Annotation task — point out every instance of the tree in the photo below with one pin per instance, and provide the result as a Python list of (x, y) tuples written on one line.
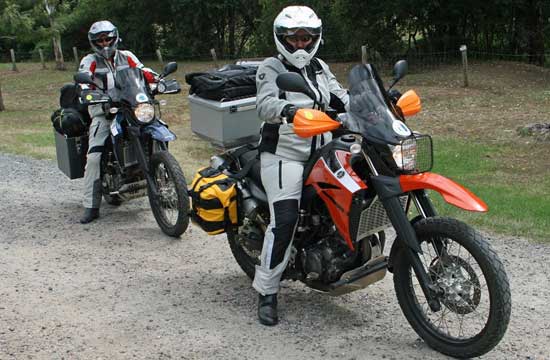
[(50, 7), (15, 25)]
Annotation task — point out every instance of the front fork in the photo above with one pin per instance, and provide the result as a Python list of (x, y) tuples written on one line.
[(135, 138), (388, 190)]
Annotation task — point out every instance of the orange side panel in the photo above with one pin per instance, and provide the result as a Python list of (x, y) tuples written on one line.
[(453, 193), (337, 200)]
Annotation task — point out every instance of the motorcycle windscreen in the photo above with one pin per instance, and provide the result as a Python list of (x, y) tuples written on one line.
[(130, 87), (370, 113)]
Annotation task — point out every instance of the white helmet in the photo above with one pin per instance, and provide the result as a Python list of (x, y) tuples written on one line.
[(288, 22), (103, 28)]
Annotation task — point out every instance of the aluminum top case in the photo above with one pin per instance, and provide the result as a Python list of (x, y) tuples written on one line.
[(225, 124)]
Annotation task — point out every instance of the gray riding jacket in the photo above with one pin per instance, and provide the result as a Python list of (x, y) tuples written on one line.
[(279, 138)]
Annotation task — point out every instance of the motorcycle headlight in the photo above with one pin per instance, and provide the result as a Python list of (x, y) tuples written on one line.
[(405, 155), (145, 113), (414, 155)]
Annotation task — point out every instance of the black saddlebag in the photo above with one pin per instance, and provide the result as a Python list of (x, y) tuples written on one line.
[(71, 154), (70, 123), (228, 83)]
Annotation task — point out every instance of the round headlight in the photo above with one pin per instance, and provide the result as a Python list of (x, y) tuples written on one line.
[(405, 155), (145, 113)]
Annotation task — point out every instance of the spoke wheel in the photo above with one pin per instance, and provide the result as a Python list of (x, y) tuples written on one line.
[(171, 208), (246, 244), (471, 283)]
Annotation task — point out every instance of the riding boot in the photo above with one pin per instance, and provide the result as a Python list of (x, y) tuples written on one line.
[(267, 309), (90, 214)]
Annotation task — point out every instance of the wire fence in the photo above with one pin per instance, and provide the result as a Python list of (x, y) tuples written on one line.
[(418, 61)]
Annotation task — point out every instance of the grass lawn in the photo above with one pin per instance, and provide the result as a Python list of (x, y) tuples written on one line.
[(476, 142)]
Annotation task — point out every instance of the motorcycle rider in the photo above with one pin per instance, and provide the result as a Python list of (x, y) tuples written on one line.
[(297, 32), (102, 64)]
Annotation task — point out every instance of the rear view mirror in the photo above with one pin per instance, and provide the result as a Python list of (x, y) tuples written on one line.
[(83, 78), (399, 71), (295, 83), (169, 68)]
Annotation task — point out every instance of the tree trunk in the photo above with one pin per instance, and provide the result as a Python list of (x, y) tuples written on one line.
[(535, 32), (56, 38), (2, 108)]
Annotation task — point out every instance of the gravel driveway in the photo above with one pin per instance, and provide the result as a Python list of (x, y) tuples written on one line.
[(118, 288)]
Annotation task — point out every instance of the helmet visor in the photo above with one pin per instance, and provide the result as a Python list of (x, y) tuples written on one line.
[(109, 34), (284, 31)]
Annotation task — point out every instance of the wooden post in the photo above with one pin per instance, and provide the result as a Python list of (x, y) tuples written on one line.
[(464, 51), (364, 54), (159, 56), (14, 66), (76, 59), (2, 108), (214, 56), (59, 59), (41, 53)]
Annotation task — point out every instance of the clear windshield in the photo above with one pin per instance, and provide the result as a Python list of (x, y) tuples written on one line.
[(370, 112), (130, 87)]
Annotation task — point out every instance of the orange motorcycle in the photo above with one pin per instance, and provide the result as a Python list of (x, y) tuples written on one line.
[(374, 175)]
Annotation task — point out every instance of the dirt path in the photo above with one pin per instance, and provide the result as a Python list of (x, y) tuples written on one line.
[(119, 288)]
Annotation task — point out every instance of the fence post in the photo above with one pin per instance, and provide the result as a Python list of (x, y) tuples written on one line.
[(214, 56), (41, 53), (2, 108), (13, 67), (159, 56), (76, 59), (364, 54), (464, 51)]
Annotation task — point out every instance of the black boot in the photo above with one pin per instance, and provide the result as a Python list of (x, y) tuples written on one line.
[(267, 310), (90, 214)]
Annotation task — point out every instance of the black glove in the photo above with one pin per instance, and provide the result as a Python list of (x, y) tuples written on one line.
[(394, 95), (288, 112)]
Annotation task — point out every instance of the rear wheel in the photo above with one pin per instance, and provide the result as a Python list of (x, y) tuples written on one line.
[(472, 288), (171, 208), (246, 244)]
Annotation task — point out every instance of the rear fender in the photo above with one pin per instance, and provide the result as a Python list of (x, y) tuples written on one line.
[(453, 193)]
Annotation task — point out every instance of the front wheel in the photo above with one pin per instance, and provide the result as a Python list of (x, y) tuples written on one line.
[(471, 284), (171, 208)]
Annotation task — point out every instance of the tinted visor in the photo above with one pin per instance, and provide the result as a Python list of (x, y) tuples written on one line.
[(284, 31), (109, 34)]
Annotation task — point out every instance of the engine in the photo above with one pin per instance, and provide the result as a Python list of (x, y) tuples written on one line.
[(327, 260), (324, 254)]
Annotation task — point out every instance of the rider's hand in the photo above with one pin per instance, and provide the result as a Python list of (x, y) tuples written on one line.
[(394, 95), (343, 119), (106, 109), (288, 112)]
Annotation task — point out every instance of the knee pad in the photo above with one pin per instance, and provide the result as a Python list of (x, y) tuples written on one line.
[(286, 216)]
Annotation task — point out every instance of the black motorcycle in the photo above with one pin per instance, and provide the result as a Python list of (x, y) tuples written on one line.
[(135, 159)]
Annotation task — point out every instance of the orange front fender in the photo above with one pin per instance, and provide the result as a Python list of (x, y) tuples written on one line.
[(453, 193)]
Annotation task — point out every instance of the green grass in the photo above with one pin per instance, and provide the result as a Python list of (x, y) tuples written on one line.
[(515, 208), (474, 129)]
